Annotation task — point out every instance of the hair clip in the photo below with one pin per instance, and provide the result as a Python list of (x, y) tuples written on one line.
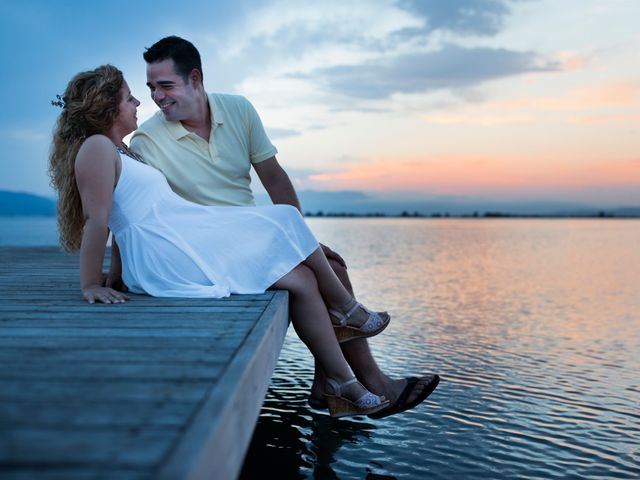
[(58, 103)]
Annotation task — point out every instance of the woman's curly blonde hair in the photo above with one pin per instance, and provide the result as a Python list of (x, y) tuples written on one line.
[(89, 106)]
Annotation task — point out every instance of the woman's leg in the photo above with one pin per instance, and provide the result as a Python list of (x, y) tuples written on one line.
[(311, 321), (360, 358), (337, 297), (330, 286)]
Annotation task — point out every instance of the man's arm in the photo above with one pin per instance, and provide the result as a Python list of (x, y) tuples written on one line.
[(280, 189), (277, 183)]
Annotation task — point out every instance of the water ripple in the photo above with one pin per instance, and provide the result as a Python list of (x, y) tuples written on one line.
[(534, 337)]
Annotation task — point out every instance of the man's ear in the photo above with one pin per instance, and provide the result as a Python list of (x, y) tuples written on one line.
[(195, 77)]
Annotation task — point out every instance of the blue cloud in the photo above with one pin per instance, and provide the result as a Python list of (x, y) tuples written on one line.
[(474, 17), (277, 133), (450, 67)]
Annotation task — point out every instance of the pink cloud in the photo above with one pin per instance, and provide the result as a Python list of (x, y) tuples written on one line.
[(604, 119), (467, 175), (617, 94)]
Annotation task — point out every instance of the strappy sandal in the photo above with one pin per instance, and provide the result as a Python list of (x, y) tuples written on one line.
[(340, 406), (375, 323)]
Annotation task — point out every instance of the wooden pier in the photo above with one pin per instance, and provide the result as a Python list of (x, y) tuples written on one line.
[(149, 389)]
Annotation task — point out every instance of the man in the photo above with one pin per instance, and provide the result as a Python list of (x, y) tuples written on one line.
[(206, 144)]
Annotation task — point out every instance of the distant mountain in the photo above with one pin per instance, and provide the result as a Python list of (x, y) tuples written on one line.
[(360, 203), (19, 203), (626, 212)]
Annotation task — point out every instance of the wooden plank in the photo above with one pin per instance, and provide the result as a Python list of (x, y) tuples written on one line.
[(69, 390), (57, 472), (57, 357), (112, 332), (114, 371), (141, 342), (79, 413), (122, 308), (128, 390), (125, 447), (82, 319), (218, 437)]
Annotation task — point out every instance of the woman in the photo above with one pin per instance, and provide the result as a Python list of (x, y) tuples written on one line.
[(166, 246)]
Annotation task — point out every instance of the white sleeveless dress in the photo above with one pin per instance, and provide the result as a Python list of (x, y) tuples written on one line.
[(171, 247)]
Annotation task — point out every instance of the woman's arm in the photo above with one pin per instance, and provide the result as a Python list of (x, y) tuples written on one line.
[(114, 277), (95, 171)]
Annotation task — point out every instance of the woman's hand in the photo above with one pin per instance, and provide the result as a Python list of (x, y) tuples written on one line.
[(97, 293)]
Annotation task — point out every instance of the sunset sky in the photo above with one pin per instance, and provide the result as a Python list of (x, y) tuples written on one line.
[(522, 100)]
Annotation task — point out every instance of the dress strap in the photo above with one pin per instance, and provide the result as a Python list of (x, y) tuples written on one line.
[(128, 152)]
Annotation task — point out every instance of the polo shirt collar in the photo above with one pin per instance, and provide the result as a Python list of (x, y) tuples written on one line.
[(176, 129), (178, 132), (217, 117)]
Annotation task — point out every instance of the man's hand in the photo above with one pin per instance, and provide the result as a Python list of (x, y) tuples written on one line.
[(98, 293), (331, 255)]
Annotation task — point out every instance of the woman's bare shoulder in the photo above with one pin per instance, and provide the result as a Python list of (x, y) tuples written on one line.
[(96, 146), (97, 143), (97, 154)]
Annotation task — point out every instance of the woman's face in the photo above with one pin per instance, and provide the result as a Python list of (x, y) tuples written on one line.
[(127, 120)]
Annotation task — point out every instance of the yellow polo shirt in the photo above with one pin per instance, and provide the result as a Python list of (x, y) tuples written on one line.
[(213, 173)]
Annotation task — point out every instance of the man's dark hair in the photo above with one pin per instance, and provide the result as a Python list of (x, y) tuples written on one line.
[(184, 55)]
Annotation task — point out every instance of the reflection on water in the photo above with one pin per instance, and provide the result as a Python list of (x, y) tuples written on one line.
[(533, 327)]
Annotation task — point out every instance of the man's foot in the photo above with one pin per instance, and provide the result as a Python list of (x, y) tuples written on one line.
[(414, 392)]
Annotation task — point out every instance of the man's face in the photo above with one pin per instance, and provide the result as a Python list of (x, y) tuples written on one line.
[(176, 99)]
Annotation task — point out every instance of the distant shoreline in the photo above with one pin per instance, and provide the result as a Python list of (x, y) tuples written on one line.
[(475, 215), (348, 204)]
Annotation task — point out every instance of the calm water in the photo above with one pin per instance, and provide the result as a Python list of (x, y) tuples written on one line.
[(532, 325), (28, 231)]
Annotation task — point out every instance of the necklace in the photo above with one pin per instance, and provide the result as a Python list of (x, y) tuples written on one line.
[(129, 153)]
